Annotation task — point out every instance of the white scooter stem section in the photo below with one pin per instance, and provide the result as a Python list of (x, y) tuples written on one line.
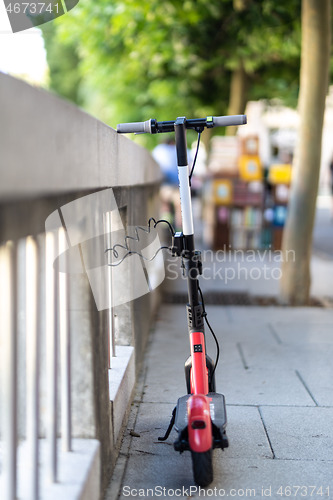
[(185, 200)]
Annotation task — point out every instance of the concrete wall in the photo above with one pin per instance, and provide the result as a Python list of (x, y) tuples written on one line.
[(51, 154), (49, 146)]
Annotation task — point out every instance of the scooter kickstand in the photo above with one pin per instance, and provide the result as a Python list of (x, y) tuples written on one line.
[(169, 429)]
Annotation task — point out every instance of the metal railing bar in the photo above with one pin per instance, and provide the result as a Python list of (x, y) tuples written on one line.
[(32, 361), (8, 329), (111, 325), (51, 328), (65, 348)]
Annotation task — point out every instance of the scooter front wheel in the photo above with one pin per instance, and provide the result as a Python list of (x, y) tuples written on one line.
[(202, 464)]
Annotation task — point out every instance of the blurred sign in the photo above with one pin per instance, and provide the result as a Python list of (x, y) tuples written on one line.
[(222, 189), (250, 168), (280, 174)]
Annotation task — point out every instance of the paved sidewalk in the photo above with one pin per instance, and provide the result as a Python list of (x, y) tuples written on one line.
[(276, 372)]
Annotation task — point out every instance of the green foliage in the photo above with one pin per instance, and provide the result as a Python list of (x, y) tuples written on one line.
[(138, 59), (63, 61)]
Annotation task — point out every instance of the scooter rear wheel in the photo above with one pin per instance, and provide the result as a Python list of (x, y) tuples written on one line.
[(202, 464)]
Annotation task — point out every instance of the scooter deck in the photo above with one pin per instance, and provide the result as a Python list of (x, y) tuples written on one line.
[(219, 421)]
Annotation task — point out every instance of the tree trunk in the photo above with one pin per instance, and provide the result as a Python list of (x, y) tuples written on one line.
[(297, 240), (238, 94)]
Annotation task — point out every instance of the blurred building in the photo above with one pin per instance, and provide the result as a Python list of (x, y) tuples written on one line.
[(277, 128)]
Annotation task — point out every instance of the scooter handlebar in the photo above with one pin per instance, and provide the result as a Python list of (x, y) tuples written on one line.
[(135, 128), (153, 126), (225, 121)]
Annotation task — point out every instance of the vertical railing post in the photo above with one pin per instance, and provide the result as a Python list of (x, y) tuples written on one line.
[(64, 333), (112, 341), (8, 329), (51, 329), (32, 275)]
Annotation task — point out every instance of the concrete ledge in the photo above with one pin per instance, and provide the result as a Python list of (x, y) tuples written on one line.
[(49, 146), (121, 383), (79, 472)]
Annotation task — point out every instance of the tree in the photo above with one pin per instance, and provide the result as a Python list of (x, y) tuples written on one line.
[(63, 62), (141, 58), (315, 58)]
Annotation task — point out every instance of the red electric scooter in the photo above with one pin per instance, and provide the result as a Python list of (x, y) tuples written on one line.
[(200, 416)]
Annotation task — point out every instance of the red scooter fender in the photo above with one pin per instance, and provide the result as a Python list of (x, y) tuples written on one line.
[(199, 423)]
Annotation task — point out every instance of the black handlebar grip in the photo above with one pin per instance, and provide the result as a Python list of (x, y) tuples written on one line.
[(134, 128), (225, 121)]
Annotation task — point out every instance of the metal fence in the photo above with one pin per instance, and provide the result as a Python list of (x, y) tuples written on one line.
[(21, 267), (53, 342), (33, 289)]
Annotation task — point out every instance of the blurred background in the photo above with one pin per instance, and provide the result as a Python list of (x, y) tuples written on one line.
[(260, 191), (132, 60)]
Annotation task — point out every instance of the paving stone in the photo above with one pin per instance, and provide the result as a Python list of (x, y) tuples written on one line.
[(313, 365), (246, 434), (236, 478), (312, 333), (300, 433), (165, 382), (264, 386), (152, 422), (318, 381), (290, 315), (255, 315)]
